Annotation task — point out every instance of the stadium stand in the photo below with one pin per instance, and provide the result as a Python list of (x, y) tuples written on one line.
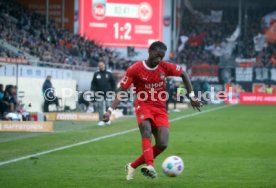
[(7, 53), (26, 31), (201, 37)]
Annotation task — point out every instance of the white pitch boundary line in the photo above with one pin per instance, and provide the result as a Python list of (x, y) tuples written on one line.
[(102, 138)]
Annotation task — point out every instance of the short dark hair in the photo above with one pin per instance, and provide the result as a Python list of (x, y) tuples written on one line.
[(158, 45), (8, 88)]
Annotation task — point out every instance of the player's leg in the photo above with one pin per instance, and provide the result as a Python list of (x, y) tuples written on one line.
[(160, 130), (161, 139), (161, 135), (146, 132), (144, 118), (147, 156), (141, 160)]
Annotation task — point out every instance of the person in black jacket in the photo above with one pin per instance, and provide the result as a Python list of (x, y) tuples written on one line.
[(1, 92), (49, 94), (102, 82), (8, 102)]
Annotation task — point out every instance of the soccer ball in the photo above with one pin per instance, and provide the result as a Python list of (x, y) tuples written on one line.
[(173, 166)]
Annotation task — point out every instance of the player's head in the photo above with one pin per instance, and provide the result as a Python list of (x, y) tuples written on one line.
[(101, 66), (49, 77), (158, 45), (8, 89), (157, 51)]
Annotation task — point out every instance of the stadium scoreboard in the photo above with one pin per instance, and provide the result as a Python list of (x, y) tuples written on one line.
[(121, 23)]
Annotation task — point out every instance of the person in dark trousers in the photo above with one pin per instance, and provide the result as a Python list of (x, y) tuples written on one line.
[(49, 94), (8, 101), (172, 94), (102, 82), (1, 91), (1, 102)]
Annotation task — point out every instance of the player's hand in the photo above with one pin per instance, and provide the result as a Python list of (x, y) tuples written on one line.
[(196, 103), (106, 116)]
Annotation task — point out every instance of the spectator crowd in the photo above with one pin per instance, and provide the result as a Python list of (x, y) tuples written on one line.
[(9, 54), (203, 41), (8, 101), (28, 31)]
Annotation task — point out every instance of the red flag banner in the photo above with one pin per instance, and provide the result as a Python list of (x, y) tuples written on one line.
[(197, 40)]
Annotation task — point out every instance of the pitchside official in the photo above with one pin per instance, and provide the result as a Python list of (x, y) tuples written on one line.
[(103, 81), (49, 94)]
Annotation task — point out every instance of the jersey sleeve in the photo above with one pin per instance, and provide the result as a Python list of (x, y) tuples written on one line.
[(173, 69), (128, 78)]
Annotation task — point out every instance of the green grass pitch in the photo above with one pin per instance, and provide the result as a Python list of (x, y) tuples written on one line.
[(228, 147)]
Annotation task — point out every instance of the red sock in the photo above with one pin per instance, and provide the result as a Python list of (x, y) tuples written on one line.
[(140, 160), (147, 151)]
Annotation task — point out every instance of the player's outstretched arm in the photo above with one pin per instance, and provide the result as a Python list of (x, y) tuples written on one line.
[(194, 101), (114, 104)]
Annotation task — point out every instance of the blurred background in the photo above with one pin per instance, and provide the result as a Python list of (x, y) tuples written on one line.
[(220, 44), (54, 51)]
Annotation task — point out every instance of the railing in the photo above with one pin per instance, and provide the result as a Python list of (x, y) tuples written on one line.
[(16, 50), (4, 61), (62, 66)]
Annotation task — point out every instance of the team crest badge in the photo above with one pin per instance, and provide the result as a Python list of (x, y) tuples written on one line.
[(99, 9), (142, 116), (125, 79)]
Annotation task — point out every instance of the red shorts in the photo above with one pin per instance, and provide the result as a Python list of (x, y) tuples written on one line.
[(157, 115)]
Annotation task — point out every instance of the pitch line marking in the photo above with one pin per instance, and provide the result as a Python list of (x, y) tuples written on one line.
[(102, 138)]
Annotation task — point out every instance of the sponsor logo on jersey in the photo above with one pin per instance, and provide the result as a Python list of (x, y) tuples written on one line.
[(154, 85)]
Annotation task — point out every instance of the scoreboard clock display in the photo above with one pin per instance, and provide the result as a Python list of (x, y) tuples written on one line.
[(121, 23)]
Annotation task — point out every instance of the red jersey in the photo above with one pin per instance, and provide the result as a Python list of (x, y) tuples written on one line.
[(150, 81)]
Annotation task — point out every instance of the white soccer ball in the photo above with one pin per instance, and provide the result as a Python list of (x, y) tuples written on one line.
[(173, 166)]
